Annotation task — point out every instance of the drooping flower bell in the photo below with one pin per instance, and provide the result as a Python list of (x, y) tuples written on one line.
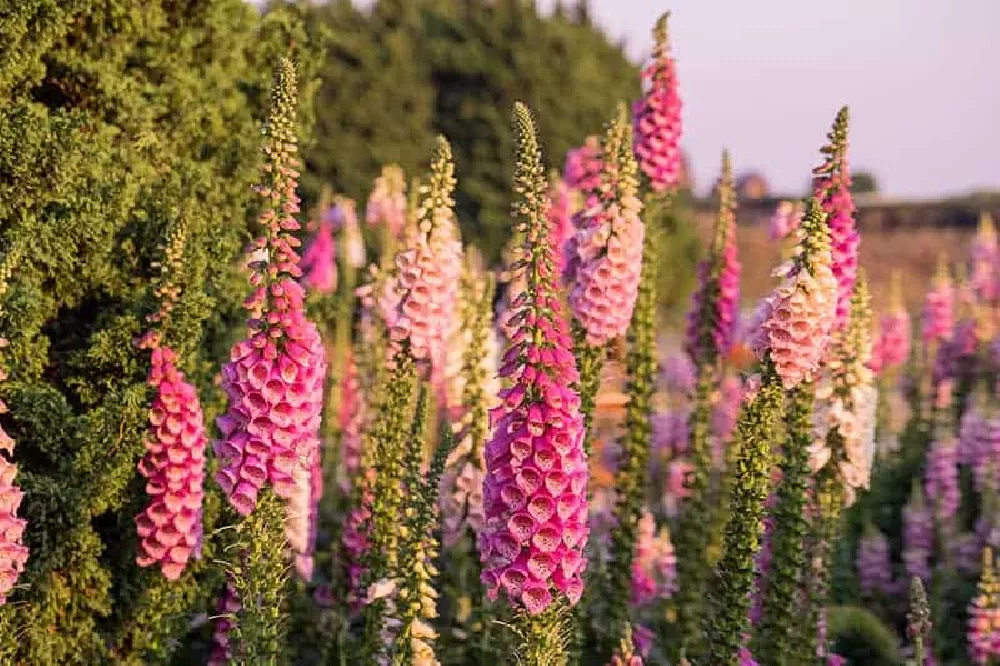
[(535, 491), (712, 320), (604, 257), (274, 379), (658, 117), (798, 317), (832, 186)]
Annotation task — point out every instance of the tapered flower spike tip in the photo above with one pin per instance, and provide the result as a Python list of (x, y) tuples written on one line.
[(529, 181), (815, 233), (727, 200), (284, 103), (661, 32)]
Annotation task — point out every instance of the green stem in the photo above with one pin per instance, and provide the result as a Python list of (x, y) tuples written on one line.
[(260, 576), (729, 594), (543, 638), (693, 528), (631, 477), (782, 618)]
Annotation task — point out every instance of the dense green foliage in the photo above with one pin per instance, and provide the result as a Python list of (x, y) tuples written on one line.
[(119, 118), (398, 74)]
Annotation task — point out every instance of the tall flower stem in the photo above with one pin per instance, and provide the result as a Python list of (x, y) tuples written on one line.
[(535, 493), (631, 477), (388, 439), (782, 619), (709, 334), (260, 578), (729, 595)]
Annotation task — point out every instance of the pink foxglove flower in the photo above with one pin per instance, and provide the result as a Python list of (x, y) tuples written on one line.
[(274, 379), (658, 117), (535, 492), (746, 659), (387, 201), (800, 320), (785, 220), (170, 528), (938, 317), (604, 257), (832, 186), (319, 261), (13, 553)]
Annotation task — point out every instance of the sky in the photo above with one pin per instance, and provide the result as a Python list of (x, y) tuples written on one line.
[(765, 79)]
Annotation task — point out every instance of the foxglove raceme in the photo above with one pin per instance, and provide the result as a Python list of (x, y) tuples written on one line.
[(832, 187), (424, 291), (170, 528), (274, 379), (535, 490), (604, 257), (712, 319), (658, 117)]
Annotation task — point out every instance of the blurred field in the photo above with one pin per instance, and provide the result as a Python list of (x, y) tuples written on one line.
[(913, 251)]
